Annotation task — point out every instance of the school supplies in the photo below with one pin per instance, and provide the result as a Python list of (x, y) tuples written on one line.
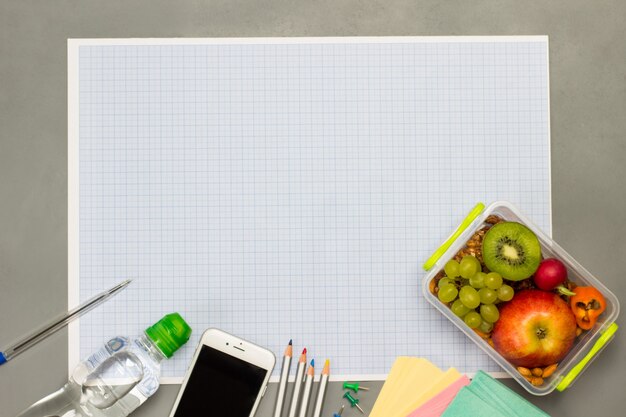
[(306, 394), (59, 322), (283, 166), (338, 413), (297, 385), (417, 388), (354, 402), (410, 383), (496, 395), (437, 404), (284, 376), (321, 391), (354, 386)]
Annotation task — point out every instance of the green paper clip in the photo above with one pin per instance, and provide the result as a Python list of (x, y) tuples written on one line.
[(606, 336), (464, 225)]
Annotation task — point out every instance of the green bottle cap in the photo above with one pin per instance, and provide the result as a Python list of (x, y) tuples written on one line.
[(169, 333)]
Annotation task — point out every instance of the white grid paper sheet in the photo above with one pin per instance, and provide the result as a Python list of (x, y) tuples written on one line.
[(283, 189)]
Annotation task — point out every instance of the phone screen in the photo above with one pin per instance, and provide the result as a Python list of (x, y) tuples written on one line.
[(220, 383)]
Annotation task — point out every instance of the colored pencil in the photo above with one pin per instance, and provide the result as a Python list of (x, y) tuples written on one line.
[(321, 392), (282, 384), (297, 387), (306, 394)]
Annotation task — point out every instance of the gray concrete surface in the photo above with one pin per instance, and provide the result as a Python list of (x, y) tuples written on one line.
[(587, 78)]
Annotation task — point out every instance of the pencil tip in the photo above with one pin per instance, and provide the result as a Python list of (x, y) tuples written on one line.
[(326, 369), (312, 362), (291, 341), (304, 351)]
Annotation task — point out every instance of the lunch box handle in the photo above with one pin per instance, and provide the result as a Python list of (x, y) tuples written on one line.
[(605, 338), (464, 225)]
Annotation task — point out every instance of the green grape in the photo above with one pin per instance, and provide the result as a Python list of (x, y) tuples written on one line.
[(505, 293), (485, 327), (487, 295), (469, 296), (447, 293), (489, 312), (445, 281), (478, 280), (452, 268), (472, 319), (493, 280), (459, 309), (469, 266), (479, 267)]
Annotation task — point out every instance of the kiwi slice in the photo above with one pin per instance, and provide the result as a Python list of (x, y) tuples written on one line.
[(512, 250)]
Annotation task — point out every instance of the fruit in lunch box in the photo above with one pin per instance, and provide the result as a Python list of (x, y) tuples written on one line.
[(478, 280), (551, 273), (505, 293), (469, 266), (447, 293), (535, 329), (469, 296), (472, 319), (459, 309), (451, 268), (587, 304), (493, 280), (512, 250)]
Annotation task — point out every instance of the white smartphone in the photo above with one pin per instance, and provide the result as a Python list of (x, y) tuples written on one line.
[(228, 376)]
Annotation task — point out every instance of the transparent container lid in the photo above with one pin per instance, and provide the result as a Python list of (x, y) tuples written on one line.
[(586, 347)]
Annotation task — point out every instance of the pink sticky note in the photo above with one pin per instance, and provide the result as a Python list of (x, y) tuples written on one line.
[(437, 405)]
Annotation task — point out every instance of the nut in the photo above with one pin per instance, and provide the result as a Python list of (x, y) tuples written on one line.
[(524, 371), (537, 371), (493, 219), (579, 331), (549, 370), (536, 381)]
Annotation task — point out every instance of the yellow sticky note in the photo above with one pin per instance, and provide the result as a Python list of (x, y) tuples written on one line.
[(408, 379), (435, 388), (398, 368)]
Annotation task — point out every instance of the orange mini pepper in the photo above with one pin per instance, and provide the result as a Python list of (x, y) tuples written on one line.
[(587, 304)]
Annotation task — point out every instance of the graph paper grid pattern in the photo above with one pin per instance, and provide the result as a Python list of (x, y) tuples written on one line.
[(292, 190)]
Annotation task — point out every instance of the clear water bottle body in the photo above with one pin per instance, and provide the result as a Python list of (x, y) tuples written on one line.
[(114, 380)]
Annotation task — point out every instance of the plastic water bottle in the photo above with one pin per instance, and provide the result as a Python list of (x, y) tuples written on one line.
[(119, 377)]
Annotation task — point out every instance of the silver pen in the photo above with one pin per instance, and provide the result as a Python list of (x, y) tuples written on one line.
[(59, 322)]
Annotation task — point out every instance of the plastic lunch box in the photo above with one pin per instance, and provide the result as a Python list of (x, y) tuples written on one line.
[(586, 347)]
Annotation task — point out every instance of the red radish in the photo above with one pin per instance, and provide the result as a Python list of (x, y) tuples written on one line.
[(550, 274)]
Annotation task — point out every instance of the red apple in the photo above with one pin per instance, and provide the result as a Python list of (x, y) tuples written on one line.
[(550, 274), (535, 329)]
